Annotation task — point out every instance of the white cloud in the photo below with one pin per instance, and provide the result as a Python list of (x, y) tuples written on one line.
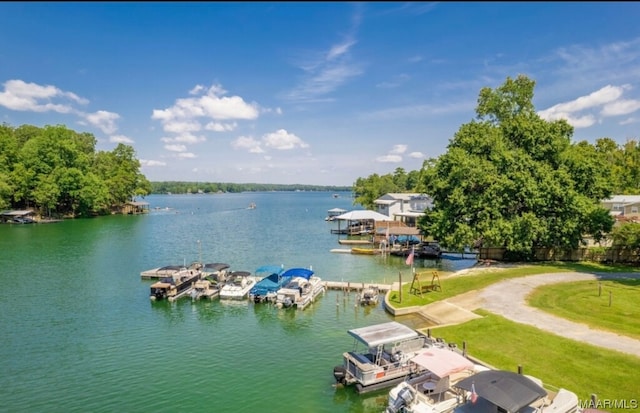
[(145, 162), (398, 149), (581, 112), (185, 155), (22, 96), (416, 155), (283, 140), (180, 127), (599, 97), (620, 107), (103, 120), (212, 104), (220, 127), (325, 72), (121, 139), (184, 138), (248, 143), (629, 121), (175, 148), (389, 159)]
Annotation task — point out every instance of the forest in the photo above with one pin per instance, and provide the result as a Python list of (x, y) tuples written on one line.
[(57, 172)]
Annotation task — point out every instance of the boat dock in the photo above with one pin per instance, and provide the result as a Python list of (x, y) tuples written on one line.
[(355, 286)]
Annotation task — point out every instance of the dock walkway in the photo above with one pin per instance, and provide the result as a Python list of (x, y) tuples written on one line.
[(355, 286)]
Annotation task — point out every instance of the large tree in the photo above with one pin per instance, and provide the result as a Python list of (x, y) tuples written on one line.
[(511, 179)]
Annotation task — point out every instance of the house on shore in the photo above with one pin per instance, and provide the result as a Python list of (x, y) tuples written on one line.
[(404, 207), (623, 207)]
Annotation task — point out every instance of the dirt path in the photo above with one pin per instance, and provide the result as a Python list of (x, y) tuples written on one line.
[(508, 299)]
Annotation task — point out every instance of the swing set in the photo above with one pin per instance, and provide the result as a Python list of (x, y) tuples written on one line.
[(417, 287)]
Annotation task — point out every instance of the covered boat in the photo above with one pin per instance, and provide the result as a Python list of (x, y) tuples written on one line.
[(431, 390), (380, 358), (509, 392), (302, 289), (173, 287), (266, 289)]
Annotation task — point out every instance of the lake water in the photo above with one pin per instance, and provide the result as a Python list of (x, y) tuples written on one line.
[(79, 333)]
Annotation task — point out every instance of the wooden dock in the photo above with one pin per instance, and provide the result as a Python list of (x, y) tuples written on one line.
[(355, 286)]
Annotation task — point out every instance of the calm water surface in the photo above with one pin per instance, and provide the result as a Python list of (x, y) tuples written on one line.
[(79, 333)]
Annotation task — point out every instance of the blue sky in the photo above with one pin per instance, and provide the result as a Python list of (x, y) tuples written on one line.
[(310, 93)]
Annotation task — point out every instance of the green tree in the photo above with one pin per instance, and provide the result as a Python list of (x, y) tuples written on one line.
[(511, 179)]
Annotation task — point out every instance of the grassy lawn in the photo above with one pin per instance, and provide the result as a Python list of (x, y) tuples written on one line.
[(587, 302), (558, 362), (453, 285)]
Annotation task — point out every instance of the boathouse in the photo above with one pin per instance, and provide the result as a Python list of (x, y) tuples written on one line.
[(16, 215), (135, 207)]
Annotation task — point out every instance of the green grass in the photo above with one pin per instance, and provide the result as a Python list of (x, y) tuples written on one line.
[(588, 302), (453, 285), (557, 361)]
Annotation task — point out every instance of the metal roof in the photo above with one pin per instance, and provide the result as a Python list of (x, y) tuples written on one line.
[(385, 333)]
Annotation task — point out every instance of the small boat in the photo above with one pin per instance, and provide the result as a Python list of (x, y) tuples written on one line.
[(364, 251), (506, 391), (267, 288), (380, 356), (176, 285), (369, 295), (432, 390), (302, 289), (237, 285), (252, 206), (204, 289), (428, 250), (216, 272)]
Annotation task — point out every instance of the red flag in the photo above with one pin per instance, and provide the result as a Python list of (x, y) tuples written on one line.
[(409, 260), (474, 395)]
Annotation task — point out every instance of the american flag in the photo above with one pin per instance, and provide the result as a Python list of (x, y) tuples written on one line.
[(410, 257)]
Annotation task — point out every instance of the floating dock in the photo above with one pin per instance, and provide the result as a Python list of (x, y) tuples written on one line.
[(354, 242), (354, 286)]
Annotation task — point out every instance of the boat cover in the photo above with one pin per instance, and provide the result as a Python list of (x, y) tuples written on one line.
[(508, 390), (380, 334), (216, 266), (442, 362), (298, 272), (271, 283), (270, 269)]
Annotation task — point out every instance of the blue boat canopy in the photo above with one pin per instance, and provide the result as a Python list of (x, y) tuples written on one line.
[(269, 284), (298, 272), (270, 269)]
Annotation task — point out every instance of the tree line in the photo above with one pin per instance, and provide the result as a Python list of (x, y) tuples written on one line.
[(511, 179), (181, 187), (58, 172)]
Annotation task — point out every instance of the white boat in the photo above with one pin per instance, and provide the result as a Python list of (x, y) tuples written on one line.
[(432, 390), (216, 272), (380, 358), (506, 391), (369, 295), (237, 285), (302, 289)]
